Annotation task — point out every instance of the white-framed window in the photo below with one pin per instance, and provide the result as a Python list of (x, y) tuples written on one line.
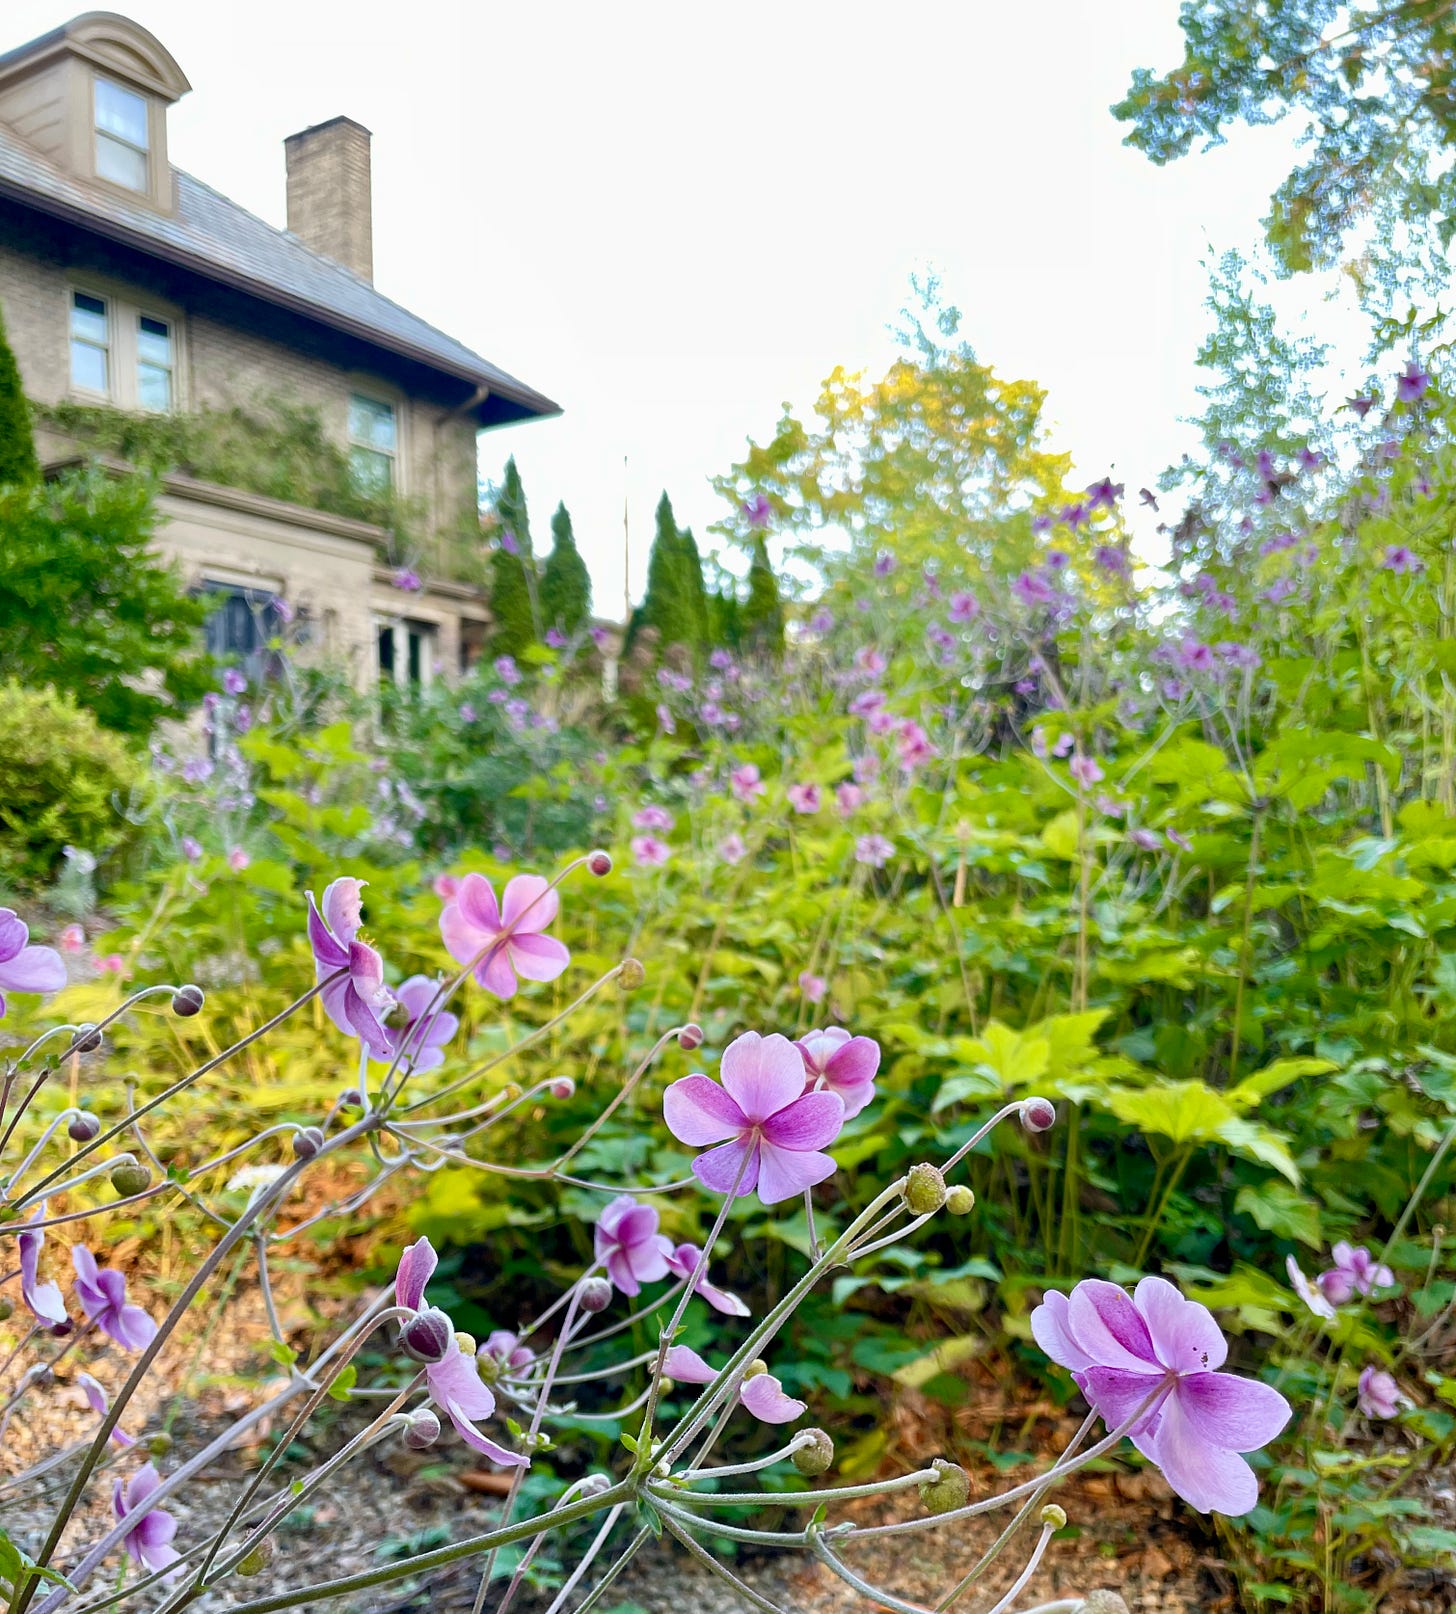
[(91, 367), (124, 350), (156, 363), (123, 135), (373, 444), (407, 652)]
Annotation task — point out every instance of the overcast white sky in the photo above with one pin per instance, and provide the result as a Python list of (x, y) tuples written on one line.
[(673, 217)]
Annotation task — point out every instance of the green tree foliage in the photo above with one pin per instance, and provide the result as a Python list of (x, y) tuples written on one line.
[(17, 446), (512, 570), (763, 612), (86, 605), (1375, 84), (565, 581), (939, 461), (61, 777), (676, 602)]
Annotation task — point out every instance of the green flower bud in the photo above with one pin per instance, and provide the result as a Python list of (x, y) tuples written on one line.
[(258, 1558), (960, 1200), (631, 975), (130, 1177), (951, 1488), (7, 1309), (1103, 1602), (924, 1189), (1054, 1516), (159, 1444), (816, 1455), (755, 1367)]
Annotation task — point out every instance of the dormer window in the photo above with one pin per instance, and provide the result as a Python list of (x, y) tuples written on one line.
[(123, 143)]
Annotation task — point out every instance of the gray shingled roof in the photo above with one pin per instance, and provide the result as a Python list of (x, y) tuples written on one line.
[(221, 241)]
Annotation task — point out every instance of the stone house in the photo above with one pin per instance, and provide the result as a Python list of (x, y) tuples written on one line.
[(128, 285)]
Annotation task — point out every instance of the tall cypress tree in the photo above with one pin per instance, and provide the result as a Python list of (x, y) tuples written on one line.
[(17, 446), (512, 570), (668, 604), (565, 581), (763, 614), (693, 594)]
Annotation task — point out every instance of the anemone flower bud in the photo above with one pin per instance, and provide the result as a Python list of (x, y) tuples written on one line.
[(755, 1367), (7, 1309), (82, 1127), (187, 1001), (1038, 1115), (594, 1294), (562, 1087), (88, 1039), (260, 1555), (949, 1490), (600, 863), (690, 1036), (593, 1485), (960, 1200), (307, 1142), (159, 1444), (631, 974), (1054, 1516), (349, 1099), (815, 1455), (1103, 1601), (924, 1191), (422, 1430), (428, 1335), (130, 1177)]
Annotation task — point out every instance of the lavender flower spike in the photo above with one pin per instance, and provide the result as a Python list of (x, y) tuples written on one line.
[(102, 1293), (24, 968), (769, 1130), (1157, 1351), (358, 1000)]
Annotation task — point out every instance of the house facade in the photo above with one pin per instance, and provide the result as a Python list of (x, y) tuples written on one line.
[(127, 285)]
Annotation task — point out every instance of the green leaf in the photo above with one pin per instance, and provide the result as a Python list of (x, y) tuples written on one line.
[(345, 1382), (1280, 1209), (1186, 1112)]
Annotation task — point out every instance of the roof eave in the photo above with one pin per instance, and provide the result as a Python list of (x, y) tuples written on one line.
[(528, 403)]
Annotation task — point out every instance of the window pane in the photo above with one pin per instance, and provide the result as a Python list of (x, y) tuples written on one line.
[(88, 317), (154, 341), (154, 387), (122, 113), (88, 367), (371, 423), (373, 472), (121, 164)]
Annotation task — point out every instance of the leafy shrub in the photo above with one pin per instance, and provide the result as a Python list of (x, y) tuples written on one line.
[(63, 781)]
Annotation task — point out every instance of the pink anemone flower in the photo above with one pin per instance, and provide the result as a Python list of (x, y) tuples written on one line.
[(842, 1064), (629, 1246), (762, 1394), (509, 940), (102, 1293), (769, 1131), (688, 1259), (357, 1000), (43, 1300), (148, 1539), (24, 968)]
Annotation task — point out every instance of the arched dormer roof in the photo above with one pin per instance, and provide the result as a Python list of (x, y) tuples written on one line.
[(110, 41)]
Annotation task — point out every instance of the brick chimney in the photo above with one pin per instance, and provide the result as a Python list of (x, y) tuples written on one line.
[(330, 206)]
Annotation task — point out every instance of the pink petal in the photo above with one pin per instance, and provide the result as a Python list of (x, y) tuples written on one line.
[(328, 951), (719, 1168), (334, 999), (416, 1267), (649, 1260), (538, 958), (1184, 1334), (1117, 1395), (416, 995), (476, 901), (530, 905), (762, 1074), (495, 974), (463, 939), (85, 1264), (721, 1300), (33, 969), (14, 933), (764, 1397), (619, 1270), (482, 1443), (342, 908), (1209, 1478), (855, 1098), (698, 1111), (457, 1380), (810, 1122), (1049, 1329), (140, 1487), (853, 1062), (782, 1173), (1106, 1324), (685, 1364), (1236, 1413), (364, 1023), (819, 1047)]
